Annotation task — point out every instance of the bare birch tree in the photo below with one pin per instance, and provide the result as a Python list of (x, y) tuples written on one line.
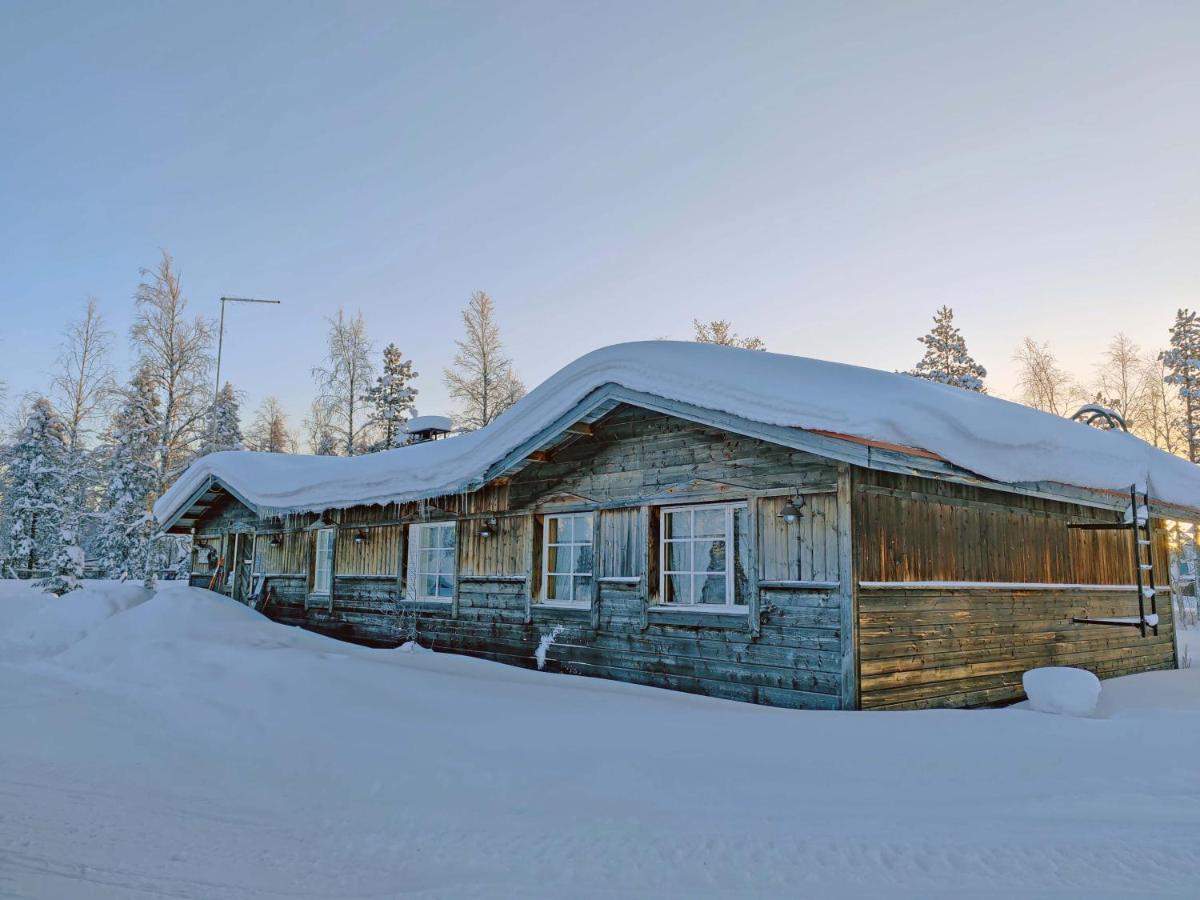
[(84, 380), (321, 438), (343, 379), (482, 381), (269, 432), (1162, 409), (720, 332), (174, 350), (1044, 384)]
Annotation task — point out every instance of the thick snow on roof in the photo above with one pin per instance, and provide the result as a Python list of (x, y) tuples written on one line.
[(990, 437), (428, 423)]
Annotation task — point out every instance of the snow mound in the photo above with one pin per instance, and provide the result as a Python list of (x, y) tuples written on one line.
[(36, 625), (1003, 441), (1062, 690)]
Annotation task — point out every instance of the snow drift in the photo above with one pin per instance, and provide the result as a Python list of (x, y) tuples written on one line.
[(994, 438)]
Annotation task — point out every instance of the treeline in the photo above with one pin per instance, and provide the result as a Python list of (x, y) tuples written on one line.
[(1155, 392), (88, 457)]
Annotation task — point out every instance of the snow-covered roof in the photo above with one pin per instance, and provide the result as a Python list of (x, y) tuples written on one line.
[(428, 423), (992, 438)]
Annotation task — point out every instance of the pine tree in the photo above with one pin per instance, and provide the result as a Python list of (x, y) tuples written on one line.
[(131, 477), (482, 380), (42, 519), (391, 399), (946, 359), (225, 429), (720, 332), (1182, 362)]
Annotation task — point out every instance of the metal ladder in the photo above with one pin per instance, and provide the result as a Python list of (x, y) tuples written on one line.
[(1141, 530)]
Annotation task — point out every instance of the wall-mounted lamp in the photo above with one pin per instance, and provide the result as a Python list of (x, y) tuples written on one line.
[(488, 528), (361, 536), (791, 511)]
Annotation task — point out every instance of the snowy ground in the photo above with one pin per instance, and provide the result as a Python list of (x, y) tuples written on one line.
[(180, 745)]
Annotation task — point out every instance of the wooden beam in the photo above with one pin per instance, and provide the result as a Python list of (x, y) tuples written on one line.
[(581, 428), (542, 456)]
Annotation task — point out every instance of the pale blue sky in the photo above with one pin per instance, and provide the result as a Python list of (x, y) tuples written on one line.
[(824, 175)]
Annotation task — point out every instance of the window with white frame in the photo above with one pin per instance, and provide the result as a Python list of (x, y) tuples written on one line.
[(323, 570), (431, 560), (701, 550), (567, 559)]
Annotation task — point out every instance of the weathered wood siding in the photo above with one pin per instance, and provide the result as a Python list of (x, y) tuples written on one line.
[(633, 463), (916, 529), (289, 557), (377, 554), (968, 646)]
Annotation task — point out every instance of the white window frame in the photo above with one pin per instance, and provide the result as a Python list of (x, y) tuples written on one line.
[(546, 545), (415, 572), (731, 551), (328, 568)]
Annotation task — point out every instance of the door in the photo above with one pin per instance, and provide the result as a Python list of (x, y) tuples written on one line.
[(242, 567)]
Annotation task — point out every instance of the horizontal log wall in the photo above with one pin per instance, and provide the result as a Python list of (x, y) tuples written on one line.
[(956, 647)]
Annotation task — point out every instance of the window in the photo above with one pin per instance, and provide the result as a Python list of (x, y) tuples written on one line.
[(323, 571), (700, 554), (567, 559), (431, 561)]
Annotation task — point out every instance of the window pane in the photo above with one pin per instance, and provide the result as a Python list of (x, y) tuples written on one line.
[(428, 585), (583, 559), (426, 536), (713, 590), (445, 562), (583, 589), (558, 559), (449, 535), (445, 585), (558, 587), (741, 554), (679, 556), (678, 589), (678, 524), (709, 523), (583, 529), (709, 556), (554, 530)]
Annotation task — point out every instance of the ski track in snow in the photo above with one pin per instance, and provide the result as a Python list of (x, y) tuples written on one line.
[(184, 746)]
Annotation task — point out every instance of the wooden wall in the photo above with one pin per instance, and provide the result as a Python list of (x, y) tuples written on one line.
[(633, 463), (928, 646), (916, 529)]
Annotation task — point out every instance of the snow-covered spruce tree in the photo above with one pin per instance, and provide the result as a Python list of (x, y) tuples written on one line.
[(225, 426), (1183, 371), (42, 522), (131, 478), (946, 359), (720, 332), (482, 381), (391, 399)]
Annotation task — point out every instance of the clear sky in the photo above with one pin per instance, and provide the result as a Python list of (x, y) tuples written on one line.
[(823, 174)]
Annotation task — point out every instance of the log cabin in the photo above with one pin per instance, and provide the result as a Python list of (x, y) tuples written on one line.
[(739, 524)]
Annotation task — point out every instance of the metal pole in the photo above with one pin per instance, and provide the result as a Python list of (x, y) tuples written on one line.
[(220, 344), (221, 335)]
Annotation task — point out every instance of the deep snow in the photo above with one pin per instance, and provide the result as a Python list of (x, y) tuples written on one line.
[(181, 745), (995, 438)]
